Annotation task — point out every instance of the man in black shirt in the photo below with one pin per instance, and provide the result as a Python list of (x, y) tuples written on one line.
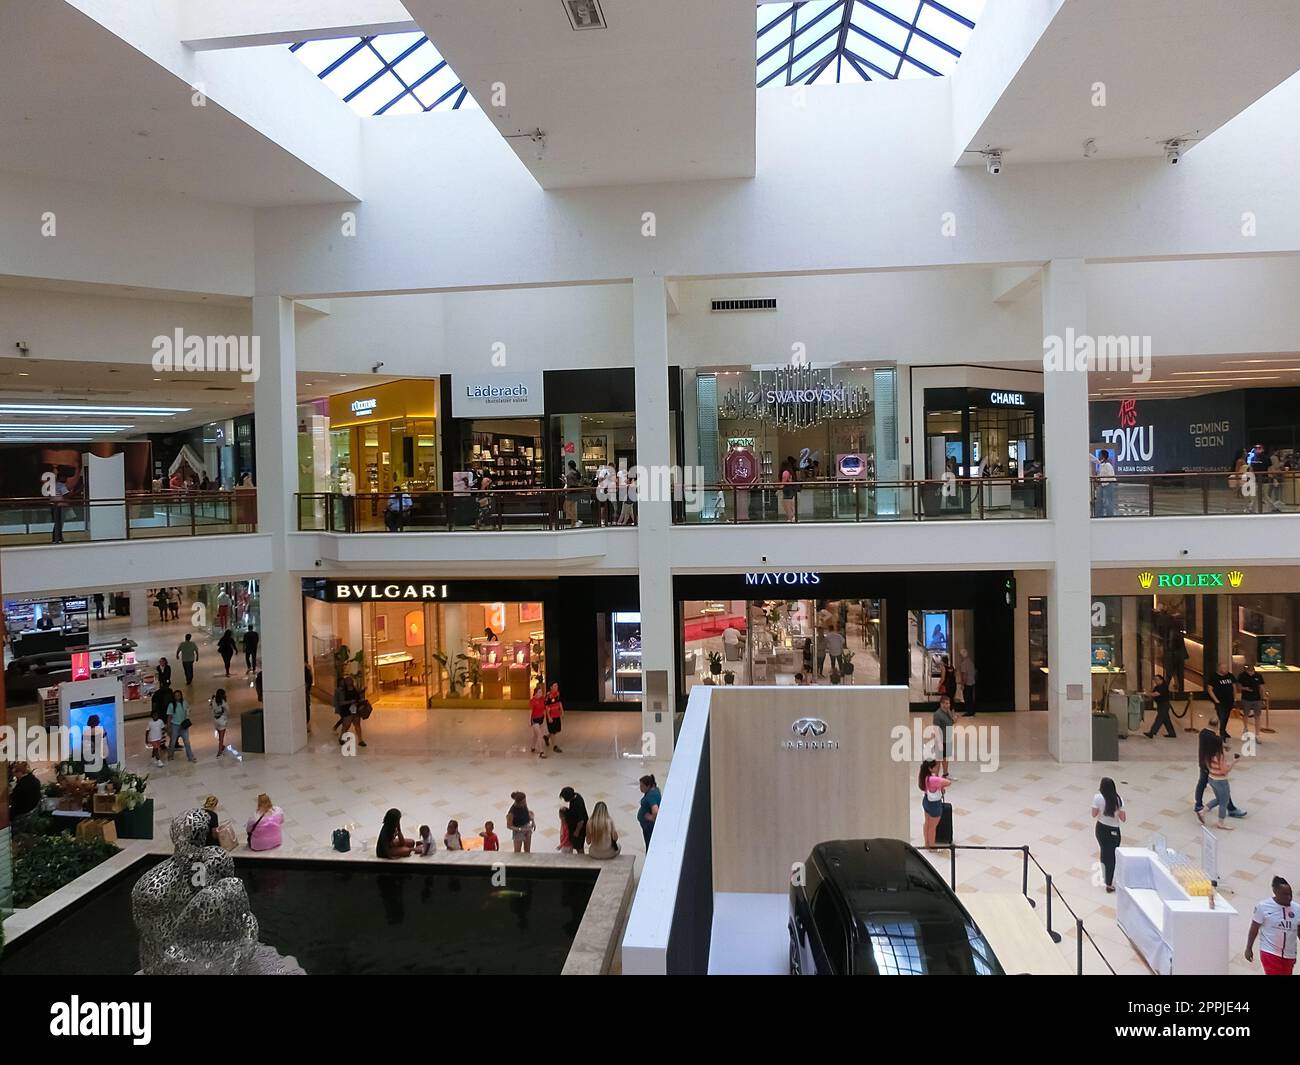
[(1222, 689), (1252, 697), (1160, 692), (25, 795), (575, 815)]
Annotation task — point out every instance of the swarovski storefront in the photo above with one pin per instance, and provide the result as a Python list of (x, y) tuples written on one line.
[(835, 423)]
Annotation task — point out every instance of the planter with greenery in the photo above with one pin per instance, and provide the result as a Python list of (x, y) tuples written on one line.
[(43, 864)]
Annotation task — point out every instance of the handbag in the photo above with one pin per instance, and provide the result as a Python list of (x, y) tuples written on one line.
[(186, 723), (364, 709), (342, 839), (226, 837), (251, 831)]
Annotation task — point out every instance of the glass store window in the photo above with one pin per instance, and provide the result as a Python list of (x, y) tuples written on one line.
[(773, 641), (1264, 632)]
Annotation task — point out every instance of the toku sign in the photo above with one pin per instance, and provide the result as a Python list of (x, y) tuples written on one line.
[(783, 578), (385, 592), (1232, 579)]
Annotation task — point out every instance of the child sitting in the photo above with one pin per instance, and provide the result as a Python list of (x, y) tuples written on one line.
[(452, 839), (425, 846)]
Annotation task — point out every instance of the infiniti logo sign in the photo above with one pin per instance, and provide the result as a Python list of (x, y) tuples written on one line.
[(810, 730)]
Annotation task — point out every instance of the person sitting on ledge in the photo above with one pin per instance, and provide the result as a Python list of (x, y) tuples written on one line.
[(263, 828), (391, 842)]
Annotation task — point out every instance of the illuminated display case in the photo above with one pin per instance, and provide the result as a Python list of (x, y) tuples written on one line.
[(626, 640)]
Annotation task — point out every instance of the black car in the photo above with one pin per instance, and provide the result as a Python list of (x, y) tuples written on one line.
[(877, 907)]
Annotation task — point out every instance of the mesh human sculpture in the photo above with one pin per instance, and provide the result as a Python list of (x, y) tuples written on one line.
[(192, 912)]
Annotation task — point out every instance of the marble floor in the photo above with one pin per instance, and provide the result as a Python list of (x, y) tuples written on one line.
[(463, 764)]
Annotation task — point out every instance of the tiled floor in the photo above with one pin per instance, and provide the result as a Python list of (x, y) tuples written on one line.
[(463, 764)]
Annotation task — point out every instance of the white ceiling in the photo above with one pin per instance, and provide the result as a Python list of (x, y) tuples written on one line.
[(78, 101), (665, 93), (1189, 375), (210, 396), (1171, 68)]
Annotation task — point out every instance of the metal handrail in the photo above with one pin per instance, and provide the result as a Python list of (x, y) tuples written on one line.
[(41, 516), (1027, 856), (1210, 486)]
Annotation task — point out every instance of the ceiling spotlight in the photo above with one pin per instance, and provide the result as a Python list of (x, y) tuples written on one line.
[(993, 160)]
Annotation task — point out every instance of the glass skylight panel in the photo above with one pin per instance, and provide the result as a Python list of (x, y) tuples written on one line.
[(857, 40), (385, 74)]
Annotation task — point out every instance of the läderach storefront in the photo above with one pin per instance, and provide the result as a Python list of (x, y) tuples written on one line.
[(1183, 622)]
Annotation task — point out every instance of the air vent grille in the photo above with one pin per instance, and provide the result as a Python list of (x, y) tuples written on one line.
[(725, 306)]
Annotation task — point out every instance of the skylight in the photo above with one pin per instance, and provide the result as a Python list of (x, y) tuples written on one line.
[(829, 41), (385, 74)]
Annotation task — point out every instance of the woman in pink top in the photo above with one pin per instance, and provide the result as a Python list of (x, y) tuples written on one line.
[(263, 828), (788, 488), (932, 785)]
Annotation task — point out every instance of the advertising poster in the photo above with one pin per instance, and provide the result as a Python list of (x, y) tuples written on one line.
[(1198, 434)]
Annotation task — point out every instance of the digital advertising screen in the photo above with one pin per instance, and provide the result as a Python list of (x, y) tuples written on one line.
[(935, 628), (105, 709)]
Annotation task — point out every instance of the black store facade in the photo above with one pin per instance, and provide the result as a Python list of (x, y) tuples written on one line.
[(433, 642), (896, 629)]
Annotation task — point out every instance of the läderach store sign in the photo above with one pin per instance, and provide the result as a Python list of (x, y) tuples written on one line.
[(1160, 580)]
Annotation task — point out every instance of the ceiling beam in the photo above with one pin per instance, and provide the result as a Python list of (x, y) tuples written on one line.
[(206, 26)]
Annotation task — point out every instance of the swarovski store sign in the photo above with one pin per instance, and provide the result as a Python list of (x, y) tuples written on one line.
[(497, 395)]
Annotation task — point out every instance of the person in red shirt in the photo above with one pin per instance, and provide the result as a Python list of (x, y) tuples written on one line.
[(554, 718), (490, 841), (537, 718)]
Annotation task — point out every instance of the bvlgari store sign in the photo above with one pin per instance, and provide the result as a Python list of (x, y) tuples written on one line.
[(384, 592)]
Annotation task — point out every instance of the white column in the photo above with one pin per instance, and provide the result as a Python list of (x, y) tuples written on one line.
[(275, 410), (654, 508), (1069, 595), (140, 605)]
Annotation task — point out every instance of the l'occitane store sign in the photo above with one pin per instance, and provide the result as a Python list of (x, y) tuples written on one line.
[(395, 399), (1158, 580)]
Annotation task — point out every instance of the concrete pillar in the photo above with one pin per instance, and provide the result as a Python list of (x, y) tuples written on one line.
[(140, 606), (1065, 428), (654, 509), (275, 411)]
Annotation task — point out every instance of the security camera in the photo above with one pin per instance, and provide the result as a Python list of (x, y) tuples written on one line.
[(375, 367), (318, 563), (764, 558), (23, 349), (993, 161), (1184, 552), (1173, 152)]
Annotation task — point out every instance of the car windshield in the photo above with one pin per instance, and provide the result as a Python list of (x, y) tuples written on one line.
[(922, 944)]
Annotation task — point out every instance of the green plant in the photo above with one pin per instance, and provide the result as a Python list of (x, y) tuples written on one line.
[(846, 663), (467, 673), (130, 789), (441, 659), (46, 863), (715, 662)]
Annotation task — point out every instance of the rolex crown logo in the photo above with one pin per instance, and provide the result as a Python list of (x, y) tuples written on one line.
[(1146, 578), (1235, 577)]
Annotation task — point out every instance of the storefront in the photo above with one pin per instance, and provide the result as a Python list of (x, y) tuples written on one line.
[(765, 628), (524, 429), (47, 626), (384, 436), (432, 643), (976, 432), (835, 422), (1182, 623)]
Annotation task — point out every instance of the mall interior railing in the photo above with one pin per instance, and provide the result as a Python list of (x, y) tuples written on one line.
[(141, 515), (952, 499), (1051, 891), (1154, 495), (489, 509)]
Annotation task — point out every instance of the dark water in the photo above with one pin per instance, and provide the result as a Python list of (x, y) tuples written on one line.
[(340, 917)]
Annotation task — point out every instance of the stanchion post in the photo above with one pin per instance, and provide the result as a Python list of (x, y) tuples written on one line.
[(1056, 936)]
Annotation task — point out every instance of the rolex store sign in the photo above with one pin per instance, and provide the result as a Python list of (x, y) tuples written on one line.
[(500, 395)]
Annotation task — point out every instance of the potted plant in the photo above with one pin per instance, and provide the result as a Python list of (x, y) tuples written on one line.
[(846, 664), (715, 666), (729, 677), (452, 687), (134, 811), (467, 675)]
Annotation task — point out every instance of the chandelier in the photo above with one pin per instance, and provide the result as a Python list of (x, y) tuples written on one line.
[(795, 397)]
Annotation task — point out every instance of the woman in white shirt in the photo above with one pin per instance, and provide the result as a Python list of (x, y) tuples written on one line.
[(220, 718), (1108, 809)]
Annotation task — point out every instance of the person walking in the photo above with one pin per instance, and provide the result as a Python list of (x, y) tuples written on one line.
[(226, 648), (1108, 810), (943, 722), (180, 726), (1160, 693), (164, 671), (1221, 687), (99, 606), (648, 812), (789, 490), (187, 654), (1206, 742), (832, 647), (1217, 768), (572, 482), (947, 679), (174, 603), (160, 601), (966, 678), (220, 708), (1251, 685), (537, 722), (554, 718), (932, 785), (1274, 923), (521, 822), (251, 640), (1106, 486), (575, 817)]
